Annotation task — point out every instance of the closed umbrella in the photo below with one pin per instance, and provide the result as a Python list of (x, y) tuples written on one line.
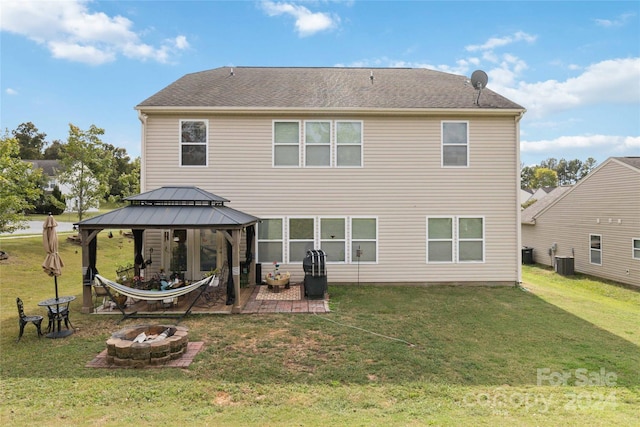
[(52, 264)]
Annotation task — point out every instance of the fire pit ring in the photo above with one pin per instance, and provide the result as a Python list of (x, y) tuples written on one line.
[(123, 351)]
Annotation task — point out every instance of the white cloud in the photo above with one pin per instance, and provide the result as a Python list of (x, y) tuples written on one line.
[(613, 143), (307, 23), (10, 91), (71, 31), (495, 42), (610, 81), (620, 21)]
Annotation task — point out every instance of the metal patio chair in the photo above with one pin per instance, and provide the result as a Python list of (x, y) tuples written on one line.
[(24, 319)]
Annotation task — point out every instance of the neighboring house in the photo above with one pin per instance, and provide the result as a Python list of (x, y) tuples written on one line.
[(536, 194), (596, 221), (50, 169), (399, 175), (525, 195)]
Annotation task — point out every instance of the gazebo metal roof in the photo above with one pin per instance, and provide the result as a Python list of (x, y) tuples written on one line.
[(171, 207)]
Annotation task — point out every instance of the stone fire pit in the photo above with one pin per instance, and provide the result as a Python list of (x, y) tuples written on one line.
[(123, 351)]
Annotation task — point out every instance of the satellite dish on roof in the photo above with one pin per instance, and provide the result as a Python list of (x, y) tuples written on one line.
[(479, 80)]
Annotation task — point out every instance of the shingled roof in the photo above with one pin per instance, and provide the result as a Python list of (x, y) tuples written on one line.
[(324, 88)]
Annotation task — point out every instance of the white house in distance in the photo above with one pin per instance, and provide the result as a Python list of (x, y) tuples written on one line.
[(399, 175), (50, 169), (596, 221)]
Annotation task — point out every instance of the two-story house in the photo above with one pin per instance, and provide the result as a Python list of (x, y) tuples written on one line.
[(399, 175)]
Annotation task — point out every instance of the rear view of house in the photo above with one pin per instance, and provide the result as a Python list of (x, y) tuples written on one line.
[(399, 175), (596, 222)]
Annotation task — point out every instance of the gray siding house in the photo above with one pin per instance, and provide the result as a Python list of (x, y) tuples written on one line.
[(399, 175), (596, 221)]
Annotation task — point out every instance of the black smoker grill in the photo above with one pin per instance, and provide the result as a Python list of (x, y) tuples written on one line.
[(315, 274)]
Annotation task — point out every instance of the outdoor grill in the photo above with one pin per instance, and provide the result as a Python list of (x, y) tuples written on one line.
[(315, 274)]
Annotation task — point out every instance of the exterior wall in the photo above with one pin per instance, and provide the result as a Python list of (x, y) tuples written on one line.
[(401, 183), (607, 203)]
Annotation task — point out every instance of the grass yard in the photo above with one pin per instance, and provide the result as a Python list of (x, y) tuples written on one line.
[(383, 356)]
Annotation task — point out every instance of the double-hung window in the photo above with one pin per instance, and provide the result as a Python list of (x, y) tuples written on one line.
[(439, 239), (595, 249), (317, 140), (286, 143), (333, 239), (470, 240), (193, 142), (364, 240), (320, 143), (270, 240), (348, 144), (301, 238), (455, 239), (455, 144), (635, 248)]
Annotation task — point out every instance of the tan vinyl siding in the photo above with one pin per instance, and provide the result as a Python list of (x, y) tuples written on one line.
[(609, 193), (401, 183)]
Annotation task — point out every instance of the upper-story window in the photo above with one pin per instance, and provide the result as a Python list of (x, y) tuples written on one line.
[(317, 142), (348, 144), (193, 142), (286, 143), (455, 144), (324, 143)]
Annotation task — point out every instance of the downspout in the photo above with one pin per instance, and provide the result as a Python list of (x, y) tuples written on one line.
[(518, 210), (143, 146)]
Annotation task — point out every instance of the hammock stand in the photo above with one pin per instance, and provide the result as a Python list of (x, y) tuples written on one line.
[(147, 295)]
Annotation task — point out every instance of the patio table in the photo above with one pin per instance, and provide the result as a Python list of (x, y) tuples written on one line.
[(57, 302)]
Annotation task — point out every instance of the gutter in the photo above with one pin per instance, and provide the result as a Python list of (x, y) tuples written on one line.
[(332, 111)]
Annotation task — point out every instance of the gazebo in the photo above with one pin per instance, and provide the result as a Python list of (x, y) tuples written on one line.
[(168, 208)]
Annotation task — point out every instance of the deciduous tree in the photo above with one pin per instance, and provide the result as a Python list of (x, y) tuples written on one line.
[(30, 140), (545, 177), (19, 186), (85, 168)]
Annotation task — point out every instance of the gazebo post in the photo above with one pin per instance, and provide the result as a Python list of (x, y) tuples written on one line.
[(87, 302), (235, 245)]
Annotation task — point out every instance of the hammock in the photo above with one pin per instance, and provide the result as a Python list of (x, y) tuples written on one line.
[(152, 296), (147, 295)]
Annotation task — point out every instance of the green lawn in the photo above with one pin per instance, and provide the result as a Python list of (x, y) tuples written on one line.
[(383, 356)]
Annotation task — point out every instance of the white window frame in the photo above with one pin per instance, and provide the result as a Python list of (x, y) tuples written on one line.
[(344, 240), (274, 144), (351, 239), (442, 144), (307, 144), (635, 251), (281, 240), (289, 240), (456, 239), (459, 239), (198, 143), (592, 250), (452, 239), (361, 144)]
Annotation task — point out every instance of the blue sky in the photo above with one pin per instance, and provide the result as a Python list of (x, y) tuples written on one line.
[(574, 65)]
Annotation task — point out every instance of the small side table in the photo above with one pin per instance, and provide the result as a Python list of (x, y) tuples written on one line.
[(57, 314)]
